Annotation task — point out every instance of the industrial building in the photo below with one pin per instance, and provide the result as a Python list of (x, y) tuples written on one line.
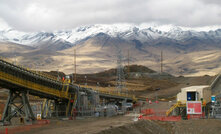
[(194, 93)]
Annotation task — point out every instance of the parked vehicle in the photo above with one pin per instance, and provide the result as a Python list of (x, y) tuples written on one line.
[(129, 106)]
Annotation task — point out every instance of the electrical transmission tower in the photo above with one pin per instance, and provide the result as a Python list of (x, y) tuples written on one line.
[(120, 74)]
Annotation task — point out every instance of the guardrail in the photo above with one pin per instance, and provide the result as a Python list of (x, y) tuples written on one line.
[(28, 69), (113, 93), (117, 94), (33, 86)]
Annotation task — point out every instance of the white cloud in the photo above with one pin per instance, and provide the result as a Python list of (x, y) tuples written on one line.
[(3, 24), (49, 15)]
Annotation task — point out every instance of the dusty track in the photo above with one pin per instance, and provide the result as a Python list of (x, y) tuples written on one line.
[(85, 126)]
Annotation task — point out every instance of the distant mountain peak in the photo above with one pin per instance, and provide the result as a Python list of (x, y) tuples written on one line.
[(175, 29), (124, 31)]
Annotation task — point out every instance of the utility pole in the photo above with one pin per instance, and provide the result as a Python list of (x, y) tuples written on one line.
[(85, 80), (58, 77), (75, 67), (128, 66), (161, 67)]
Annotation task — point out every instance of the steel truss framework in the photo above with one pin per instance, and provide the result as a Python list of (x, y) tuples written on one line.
[(17, 105), (19, 80)]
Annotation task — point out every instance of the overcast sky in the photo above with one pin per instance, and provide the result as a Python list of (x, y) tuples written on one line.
[(50, 15)]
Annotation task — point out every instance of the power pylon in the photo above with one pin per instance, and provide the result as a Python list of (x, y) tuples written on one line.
[(120, 74)]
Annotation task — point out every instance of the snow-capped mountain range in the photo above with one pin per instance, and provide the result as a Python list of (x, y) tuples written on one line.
[(122, 31), (187, 51)]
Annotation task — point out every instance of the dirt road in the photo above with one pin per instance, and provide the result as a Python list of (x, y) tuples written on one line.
[(125, 125), (82, 126)]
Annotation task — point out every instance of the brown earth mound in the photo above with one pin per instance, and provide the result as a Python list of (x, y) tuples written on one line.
[(140, 127), (198, 126)]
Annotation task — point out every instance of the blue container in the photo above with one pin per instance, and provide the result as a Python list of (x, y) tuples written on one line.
[(213, 98), (189, 98)]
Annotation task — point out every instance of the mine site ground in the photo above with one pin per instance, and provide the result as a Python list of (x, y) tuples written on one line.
[(125, 124)]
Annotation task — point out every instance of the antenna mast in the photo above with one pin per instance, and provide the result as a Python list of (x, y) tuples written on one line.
[(161, 67)]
